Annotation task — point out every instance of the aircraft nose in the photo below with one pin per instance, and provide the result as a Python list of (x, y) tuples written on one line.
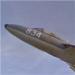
[(6, 25), (15, 27)]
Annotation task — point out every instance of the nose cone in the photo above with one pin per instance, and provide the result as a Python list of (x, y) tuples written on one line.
[(6, 25), (15, 28)]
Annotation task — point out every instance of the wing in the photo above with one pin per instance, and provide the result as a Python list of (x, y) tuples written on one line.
[(69, 51), (72, 67)]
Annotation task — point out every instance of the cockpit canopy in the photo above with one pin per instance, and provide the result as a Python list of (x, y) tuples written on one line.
[(39, 29), (49, 33)]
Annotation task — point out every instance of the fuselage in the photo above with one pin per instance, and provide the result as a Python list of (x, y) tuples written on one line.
[(40, 39)]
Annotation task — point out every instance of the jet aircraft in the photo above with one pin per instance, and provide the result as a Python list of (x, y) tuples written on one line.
[(45, 41)]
